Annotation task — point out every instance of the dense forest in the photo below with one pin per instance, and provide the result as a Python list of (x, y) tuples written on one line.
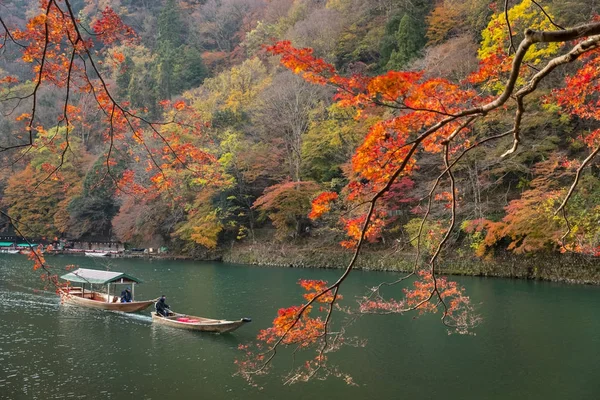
[(255, 144)]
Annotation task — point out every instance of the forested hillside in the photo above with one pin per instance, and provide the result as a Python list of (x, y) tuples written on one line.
[(255, 144)]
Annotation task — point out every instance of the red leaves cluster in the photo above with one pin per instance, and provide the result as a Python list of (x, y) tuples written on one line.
[(109, 28), (302, 61), (317, 288), (580, 95), (429, 294), (302, 331), (354, 228), (36, 256), (420, 103), (295, 326), (322, 204)]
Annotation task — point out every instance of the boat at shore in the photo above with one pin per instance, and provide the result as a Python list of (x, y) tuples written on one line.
[(193, 323), (10, 251), (78, 295), (101, 254)]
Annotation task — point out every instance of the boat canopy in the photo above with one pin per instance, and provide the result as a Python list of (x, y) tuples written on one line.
[(7, 244), (83, 275)]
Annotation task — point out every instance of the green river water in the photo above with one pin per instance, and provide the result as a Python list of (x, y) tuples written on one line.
[(537, 340)]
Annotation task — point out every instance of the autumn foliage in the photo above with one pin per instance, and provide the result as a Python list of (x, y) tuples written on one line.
[(404, 157), (432, 116)]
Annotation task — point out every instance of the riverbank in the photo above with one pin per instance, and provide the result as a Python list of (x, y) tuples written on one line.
[(569, 268), (145, 256), (554, 267)]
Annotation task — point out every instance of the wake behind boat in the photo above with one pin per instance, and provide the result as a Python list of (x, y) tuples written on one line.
[(191, 322), (78, 295)]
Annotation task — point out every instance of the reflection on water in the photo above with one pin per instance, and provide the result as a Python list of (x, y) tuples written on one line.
[(538, 340)]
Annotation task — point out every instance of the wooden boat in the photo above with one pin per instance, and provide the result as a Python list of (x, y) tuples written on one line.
[(191, 322), (9, 251), (91, 254), (77, 295)]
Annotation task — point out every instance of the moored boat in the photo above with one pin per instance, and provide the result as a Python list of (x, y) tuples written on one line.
[(92, 254), (191, 322), (9, 251), (78, 295)]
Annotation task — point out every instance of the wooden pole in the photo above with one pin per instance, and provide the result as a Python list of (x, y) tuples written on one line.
[(133, 291)]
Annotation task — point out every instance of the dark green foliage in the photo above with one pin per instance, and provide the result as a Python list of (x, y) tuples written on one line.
[(142, 92), (179, 66), (171, 29), (389, 43), (124, 77), (404, 35), (94, 210), (189, 70), (410, 39), (176, 67)]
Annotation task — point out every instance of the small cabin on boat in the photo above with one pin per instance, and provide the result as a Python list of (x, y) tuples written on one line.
[(97, 277)]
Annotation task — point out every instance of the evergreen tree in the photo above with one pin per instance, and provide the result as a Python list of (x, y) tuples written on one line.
[(388, 43), (179, 66), (410, 39), (171, 29), (142, 90), (189, 71), (164, 73), (96, 207), (124, 77)]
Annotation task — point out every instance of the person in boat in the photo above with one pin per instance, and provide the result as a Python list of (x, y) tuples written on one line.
[(126, 296), (162, 308)]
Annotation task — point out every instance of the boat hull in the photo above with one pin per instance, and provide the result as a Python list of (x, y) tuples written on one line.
[(99, 301), (204, 324), (10, 251), (96, 254)]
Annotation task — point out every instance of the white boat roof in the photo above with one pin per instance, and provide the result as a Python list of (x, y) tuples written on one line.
[(83, 275)]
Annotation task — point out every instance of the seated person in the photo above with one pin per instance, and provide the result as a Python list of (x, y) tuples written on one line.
[(162, 308), (126, 296)]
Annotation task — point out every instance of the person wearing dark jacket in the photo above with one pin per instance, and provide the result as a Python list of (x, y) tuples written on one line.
[(126, 296), (162, 308)]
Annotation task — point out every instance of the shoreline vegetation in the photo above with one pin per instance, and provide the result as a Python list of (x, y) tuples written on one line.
[(568, 268), (554, 267)]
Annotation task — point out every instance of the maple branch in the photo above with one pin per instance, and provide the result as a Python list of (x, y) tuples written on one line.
[(9, 35), (160, 169), (430, 198), (516, 127), (581, 48), (36, 87), (111, 116), (548, 17), (531, 37), (324, 334), (112, 99), (448, 232), (577, 176), (564, 236), (510, 35), (65, 118), (403, 106)]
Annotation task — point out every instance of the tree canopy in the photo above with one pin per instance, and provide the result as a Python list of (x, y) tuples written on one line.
[(431, 126)]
